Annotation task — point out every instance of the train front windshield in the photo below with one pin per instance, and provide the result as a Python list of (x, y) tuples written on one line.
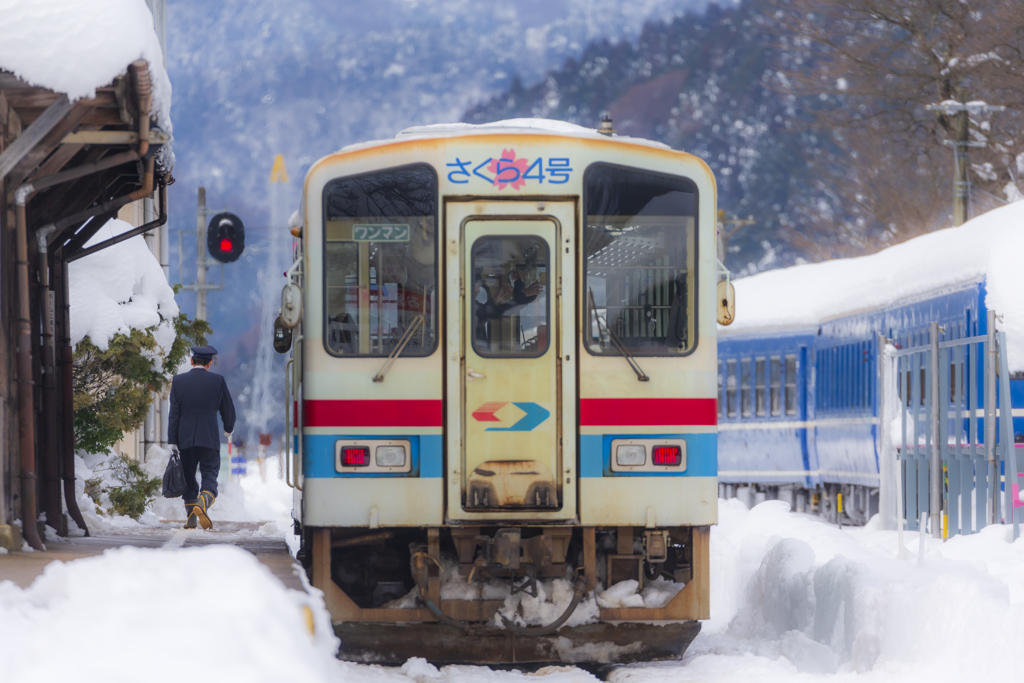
[(641, 262), (380, 262)]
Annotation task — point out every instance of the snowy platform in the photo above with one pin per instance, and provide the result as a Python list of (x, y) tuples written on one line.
[(24, 567)]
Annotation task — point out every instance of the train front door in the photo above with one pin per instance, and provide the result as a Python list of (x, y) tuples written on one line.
[(514, 373)]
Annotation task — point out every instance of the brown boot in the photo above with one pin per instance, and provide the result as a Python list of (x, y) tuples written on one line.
[(205, 501), (190, 512)]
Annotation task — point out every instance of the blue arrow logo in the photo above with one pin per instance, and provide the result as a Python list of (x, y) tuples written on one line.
[(535, 415)]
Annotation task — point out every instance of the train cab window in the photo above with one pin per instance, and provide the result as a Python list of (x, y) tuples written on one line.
[(791, 367), (721, 390), (380, 263), (730, 388), (510, 296), (759, 397), (745, 388), (640, 243), (774, 389)]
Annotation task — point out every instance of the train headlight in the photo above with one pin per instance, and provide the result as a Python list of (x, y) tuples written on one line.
[(630, 456), (355, 456), (390, 456)]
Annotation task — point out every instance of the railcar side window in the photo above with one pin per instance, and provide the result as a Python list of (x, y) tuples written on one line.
[(774, 388), (510, 296), (745, 387), (380, 262), (730, 388), (791, 384), (640, 243), (759, 408)]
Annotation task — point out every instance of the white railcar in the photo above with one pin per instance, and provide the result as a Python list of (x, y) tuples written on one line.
[(505, 372)]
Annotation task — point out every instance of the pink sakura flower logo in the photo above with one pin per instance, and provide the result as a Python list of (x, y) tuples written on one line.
[(508, 170)]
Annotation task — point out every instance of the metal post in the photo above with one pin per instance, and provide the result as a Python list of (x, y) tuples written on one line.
[(886, 452), (990, 418), (201, 256), (935, 500)]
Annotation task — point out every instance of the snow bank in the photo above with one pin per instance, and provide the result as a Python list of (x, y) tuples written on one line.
[(794, 598), (118, 289), (986, 248), (76, 46), (133, 614)]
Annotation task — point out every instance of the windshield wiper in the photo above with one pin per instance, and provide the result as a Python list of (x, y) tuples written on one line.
[(617, 342), (416, 322)]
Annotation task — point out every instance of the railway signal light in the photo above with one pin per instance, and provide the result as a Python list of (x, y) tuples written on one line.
[(225, 237)]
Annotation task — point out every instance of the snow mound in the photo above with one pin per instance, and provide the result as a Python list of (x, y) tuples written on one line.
[(136, 614), (119, 289), (985, 249), (77, 46), (792, 596)]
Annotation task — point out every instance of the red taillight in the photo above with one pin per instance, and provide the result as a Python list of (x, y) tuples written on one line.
[(226, 245), (355, 456), (667, 455)]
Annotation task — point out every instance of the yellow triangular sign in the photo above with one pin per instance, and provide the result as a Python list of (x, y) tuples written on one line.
[(279, 174)]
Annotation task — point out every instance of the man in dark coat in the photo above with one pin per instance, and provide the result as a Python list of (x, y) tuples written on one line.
[(196, 398)]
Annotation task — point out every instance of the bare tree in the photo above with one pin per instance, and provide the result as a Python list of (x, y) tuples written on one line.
[(865, 71)]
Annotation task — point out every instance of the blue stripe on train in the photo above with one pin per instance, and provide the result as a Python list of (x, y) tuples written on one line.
[(318, 456), (701, 455)]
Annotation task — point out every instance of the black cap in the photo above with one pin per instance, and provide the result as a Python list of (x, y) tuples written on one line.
[(203, 353)]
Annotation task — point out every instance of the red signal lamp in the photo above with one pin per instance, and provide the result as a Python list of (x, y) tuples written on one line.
[(355, 456), (667, 455), (226, 245)]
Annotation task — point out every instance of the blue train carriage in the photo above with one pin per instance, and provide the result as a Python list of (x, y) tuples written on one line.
[(798, 387), (504, 375)]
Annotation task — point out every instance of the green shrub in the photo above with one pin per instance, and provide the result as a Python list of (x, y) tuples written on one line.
[(133, 492), (113, 389)]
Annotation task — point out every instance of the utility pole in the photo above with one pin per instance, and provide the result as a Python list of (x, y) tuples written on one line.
[(727, 227), (959, 111), (201, 256)]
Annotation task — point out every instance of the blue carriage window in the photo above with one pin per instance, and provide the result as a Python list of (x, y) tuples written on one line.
[(721, 390), (759, 387), (775, 388), (745, 387), (380, 263), (791, 367), (730, 388)]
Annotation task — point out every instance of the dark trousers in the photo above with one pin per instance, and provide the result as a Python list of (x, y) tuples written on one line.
[(208, 462)]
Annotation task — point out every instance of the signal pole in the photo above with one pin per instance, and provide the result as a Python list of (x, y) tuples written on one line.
[(202, 262), (201, 256)]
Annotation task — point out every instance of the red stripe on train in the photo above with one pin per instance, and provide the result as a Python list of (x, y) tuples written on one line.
[(600, 412), (422, 413)]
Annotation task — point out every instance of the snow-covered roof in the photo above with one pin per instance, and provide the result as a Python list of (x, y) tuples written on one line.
[(77, 46), (118, 289), (987, 248)]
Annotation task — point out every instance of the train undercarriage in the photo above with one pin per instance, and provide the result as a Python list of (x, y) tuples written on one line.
[(849, 503), (431, 592)]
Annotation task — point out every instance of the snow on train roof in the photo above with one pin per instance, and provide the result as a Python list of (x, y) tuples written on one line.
[(508, 126), (519, 126), (77, 46), (988, 248)]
